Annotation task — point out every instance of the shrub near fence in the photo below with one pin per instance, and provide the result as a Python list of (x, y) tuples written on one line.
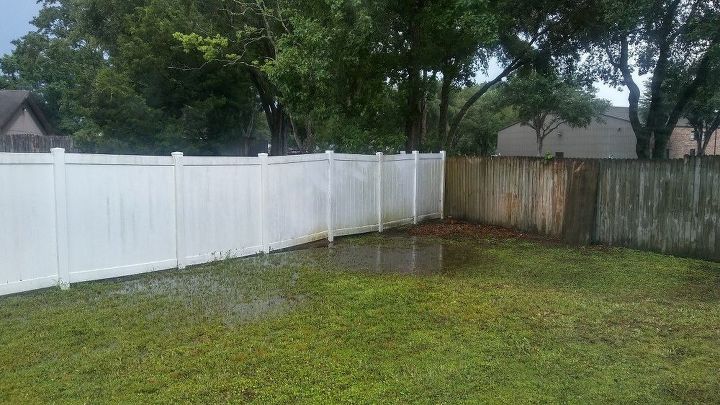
[(68, 218), (669, 206)]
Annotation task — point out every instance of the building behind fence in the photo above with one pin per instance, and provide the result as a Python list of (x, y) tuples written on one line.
[(68, 218), (669, 206)]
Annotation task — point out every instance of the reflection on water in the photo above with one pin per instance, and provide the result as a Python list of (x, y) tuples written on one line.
[(403, 256)]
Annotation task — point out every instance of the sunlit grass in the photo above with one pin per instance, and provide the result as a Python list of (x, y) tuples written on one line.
[(499, 321)]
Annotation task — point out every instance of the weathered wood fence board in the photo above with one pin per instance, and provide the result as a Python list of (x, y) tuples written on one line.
[(670, 206), (34, 143)]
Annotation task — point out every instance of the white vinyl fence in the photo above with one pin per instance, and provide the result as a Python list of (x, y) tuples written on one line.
[(67, 218)]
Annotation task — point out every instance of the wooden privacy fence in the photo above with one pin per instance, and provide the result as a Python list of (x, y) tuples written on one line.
[(68, 218), (669, 206), (34, 143)]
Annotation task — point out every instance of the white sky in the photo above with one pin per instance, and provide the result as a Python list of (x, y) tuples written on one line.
[(617, 97)]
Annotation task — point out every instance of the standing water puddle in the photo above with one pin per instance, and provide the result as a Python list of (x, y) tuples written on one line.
[(406, 255), (256, 287)]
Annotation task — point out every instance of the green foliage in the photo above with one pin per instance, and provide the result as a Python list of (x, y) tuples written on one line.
[(477, 134), (112, 75), (550, 324), (675, 42), (536, 96)]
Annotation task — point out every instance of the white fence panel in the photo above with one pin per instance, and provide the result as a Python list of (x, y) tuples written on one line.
[(121, 215), (221, 208), (355, 194), (28, 250), (430, 179), (397, 189), (296, 200), (72, 218)]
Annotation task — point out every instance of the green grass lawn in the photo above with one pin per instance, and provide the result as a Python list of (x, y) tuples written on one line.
[(378, 319)]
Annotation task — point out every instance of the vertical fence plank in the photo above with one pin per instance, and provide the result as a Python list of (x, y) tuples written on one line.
[(442, 184), (264, 183), (379, 190), (180, 250), (416, 163), (330, 203), (61, 222)]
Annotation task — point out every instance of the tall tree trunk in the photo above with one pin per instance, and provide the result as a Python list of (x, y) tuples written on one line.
[(699, 149), (275, 114), (540, 138), (642, 143), (661, 140), (443, 126), (279, 132), (413, 125)]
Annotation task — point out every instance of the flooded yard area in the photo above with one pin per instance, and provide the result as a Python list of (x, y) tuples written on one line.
[(406, 316)]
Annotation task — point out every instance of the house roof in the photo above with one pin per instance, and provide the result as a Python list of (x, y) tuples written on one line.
[(621, 113), (12, 100)]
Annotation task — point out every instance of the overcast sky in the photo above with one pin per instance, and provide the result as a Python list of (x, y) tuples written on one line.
[(15, 16)]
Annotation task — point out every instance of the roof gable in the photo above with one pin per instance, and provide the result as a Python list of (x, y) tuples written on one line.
[(13, 100)]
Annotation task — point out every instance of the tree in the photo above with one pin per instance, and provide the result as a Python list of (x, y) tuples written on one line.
[(112, 75), (245, 37), (667, 39), (544, 103), (703, 115), (478, 132), (544, 35)]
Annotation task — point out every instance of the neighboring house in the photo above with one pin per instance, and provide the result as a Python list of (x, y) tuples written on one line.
[(23, 126), (682, 143), (21, 115), (611, 136)]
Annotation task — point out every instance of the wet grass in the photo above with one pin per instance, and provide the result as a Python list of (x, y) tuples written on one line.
[(461, 320)]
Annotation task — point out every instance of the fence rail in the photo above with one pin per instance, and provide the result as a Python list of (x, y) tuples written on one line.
[(67, 218), (669, 206)]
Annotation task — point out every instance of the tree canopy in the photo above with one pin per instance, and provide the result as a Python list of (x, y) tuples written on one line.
[(152, 76)]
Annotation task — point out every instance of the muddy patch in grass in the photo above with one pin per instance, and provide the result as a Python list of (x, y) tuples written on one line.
[(232, 296)]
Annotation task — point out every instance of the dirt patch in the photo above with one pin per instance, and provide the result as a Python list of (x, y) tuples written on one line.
[(452, 228)]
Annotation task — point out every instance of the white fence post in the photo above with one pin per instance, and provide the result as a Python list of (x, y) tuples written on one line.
[(180, 252), (264, 174), (61, 222), (331, 208), (379, 190), (416, 161), (443, 156)]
